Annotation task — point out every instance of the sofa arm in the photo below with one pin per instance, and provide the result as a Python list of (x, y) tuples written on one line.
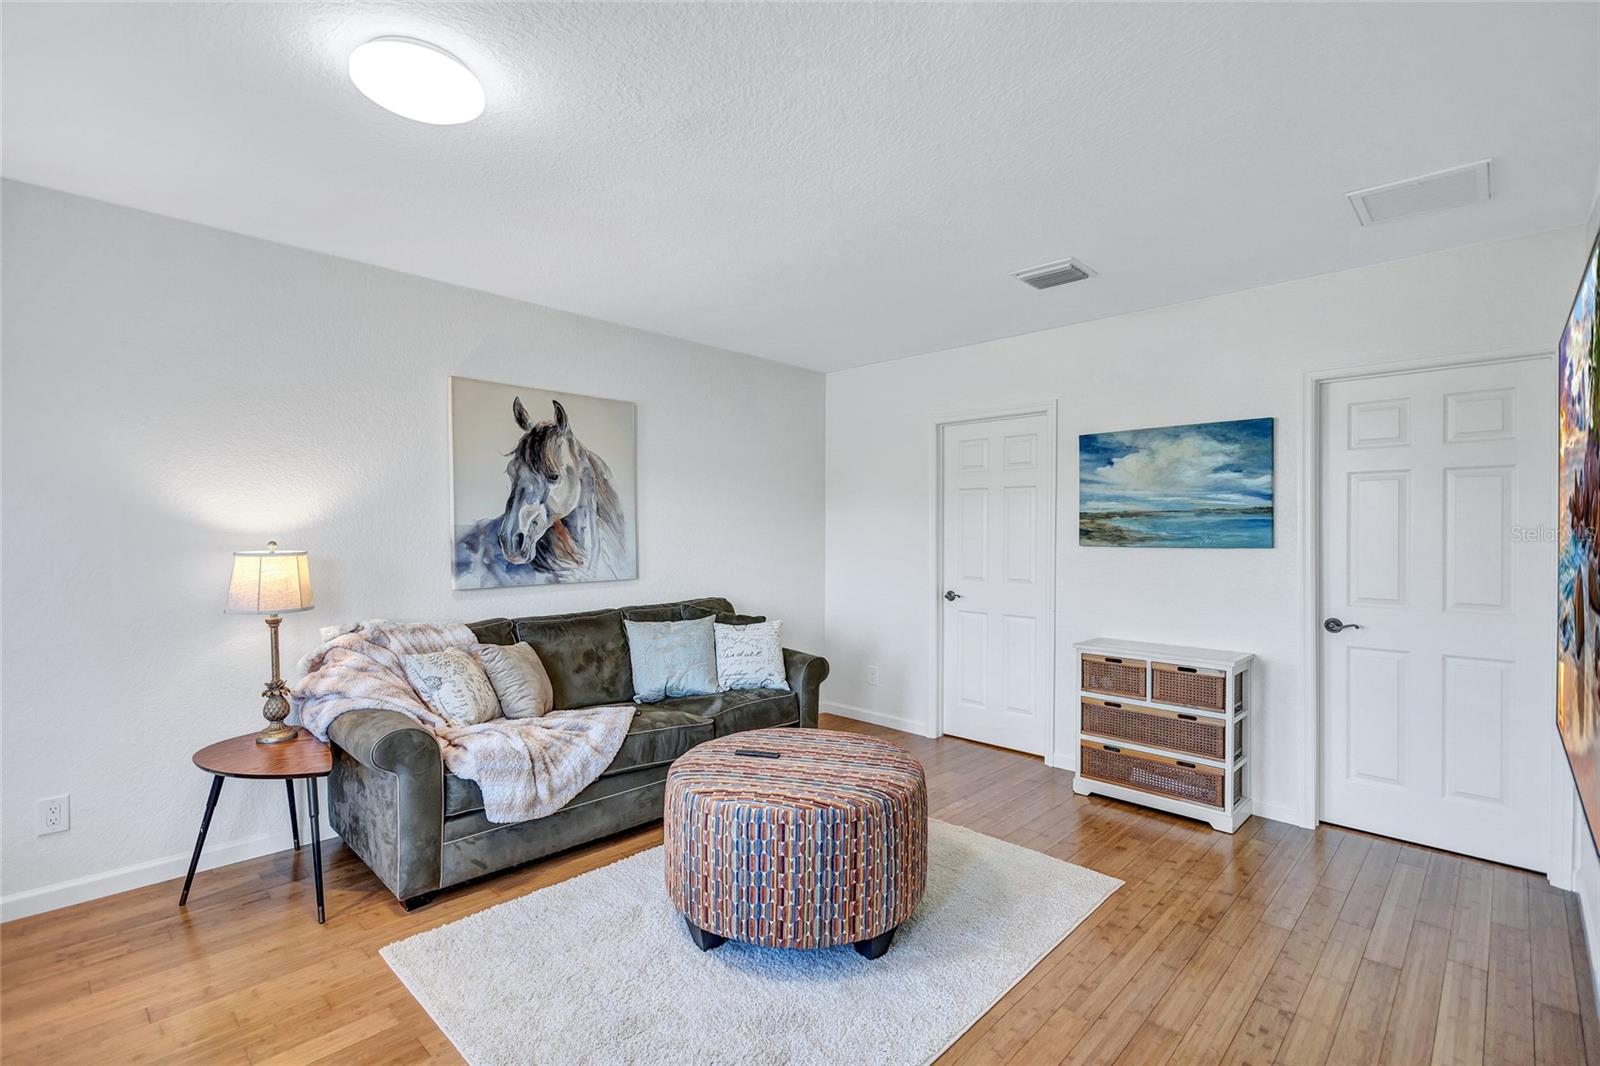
[(386, 797), (805, 674)]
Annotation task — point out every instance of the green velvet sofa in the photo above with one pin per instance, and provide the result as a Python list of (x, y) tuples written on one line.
[(422, 829)]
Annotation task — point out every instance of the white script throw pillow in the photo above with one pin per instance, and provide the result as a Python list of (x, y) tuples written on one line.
[(453, 686), (750, 656)]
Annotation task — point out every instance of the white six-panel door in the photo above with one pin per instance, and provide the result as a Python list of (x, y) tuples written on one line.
[(998, 509), (1437, 713)]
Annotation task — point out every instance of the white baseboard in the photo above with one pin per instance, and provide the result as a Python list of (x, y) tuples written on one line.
[(1280, 812), (138, 875), (888, 721)]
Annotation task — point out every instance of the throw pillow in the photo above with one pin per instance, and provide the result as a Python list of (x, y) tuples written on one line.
[(672, 659), (751, 656), (519, 679), (453, 686)]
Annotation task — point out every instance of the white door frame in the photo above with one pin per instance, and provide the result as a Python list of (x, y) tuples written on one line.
[(1560, 803), (937, 423)]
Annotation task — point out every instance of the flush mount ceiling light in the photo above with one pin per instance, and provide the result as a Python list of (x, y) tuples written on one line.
[(417, 81)]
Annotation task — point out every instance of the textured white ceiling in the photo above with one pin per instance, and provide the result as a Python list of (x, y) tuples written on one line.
[(825, 185)]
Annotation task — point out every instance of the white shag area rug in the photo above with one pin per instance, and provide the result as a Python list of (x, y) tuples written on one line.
[(599, 969)]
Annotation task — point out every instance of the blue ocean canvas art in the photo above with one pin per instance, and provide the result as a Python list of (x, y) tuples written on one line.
[(1207, 485)]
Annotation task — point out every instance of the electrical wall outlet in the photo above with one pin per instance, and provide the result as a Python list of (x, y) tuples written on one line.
[(873, 677), (55, 816)]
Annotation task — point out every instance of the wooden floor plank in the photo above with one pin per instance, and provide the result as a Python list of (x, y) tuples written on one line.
[(1273, 944), (1409, 1037), (1554, 983), (1587, 1011), (1359, 1037), (1458, 1035), (1508, 1021)]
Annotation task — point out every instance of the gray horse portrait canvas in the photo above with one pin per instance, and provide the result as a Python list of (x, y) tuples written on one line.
[(542, 485)]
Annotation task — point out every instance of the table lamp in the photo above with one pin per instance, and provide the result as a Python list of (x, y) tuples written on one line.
[(272, 583)]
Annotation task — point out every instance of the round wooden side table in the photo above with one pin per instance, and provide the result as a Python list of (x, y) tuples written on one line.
[(305, 758)]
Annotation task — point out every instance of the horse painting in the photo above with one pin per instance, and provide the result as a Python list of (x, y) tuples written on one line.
[(563, 520)]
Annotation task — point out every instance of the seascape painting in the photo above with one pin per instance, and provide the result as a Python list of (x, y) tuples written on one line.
[(542, 485), (1578, 573), (1207, 485)]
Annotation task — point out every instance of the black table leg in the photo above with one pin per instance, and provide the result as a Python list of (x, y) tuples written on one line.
[(316, 842), (200, 842), (294, 819)]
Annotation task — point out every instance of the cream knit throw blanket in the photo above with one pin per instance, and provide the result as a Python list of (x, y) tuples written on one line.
[(526, 767)]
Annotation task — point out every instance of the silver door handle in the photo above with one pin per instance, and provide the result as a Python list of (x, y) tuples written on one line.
[(1333, 625), (952, 595)]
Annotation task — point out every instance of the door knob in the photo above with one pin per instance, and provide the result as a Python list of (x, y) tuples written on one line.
[(1333, 625), (952, 595)]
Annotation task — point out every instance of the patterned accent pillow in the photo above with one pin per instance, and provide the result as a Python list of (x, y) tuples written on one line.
[(672, 659), (519, 678), (751, 656), (453, 686)]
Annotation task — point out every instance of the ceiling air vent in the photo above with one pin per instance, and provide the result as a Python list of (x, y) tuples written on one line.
[(1455, 187), (1052, 274)]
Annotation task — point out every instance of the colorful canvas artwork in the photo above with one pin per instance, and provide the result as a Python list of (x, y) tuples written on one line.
[(543, 486), (1207, 485), (1578, 580)]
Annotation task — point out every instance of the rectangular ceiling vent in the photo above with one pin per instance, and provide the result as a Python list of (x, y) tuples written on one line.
[(1052, 274), (1455, 187)]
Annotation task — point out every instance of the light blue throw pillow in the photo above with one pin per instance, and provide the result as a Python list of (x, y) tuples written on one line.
[(672, 658)]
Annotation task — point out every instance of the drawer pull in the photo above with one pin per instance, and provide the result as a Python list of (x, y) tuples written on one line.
[(1187, 670), (1189, 717), (1112, 703), (1111, 747), (1186, 765), (1109, 659)]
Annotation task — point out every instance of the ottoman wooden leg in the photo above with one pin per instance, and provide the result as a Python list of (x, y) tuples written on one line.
[(872, 949), (706, 941)]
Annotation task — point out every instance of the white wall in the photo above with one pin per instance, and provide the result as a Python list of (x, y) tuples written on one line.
[(1242, 355), (173, 393)]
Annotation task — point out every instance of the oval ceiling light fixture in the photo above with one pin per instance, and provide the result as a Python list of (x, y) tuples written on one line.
[(416, 80)]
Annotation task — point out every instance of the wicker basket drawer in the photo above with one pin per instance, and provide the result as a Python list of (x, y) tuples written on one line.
[(1113, 676), (1152, 773), (1205, 737), (1189, 686)]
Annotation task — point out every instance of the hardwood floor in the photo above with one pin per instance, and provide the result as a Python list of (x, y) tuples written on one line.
[(1276, 944)]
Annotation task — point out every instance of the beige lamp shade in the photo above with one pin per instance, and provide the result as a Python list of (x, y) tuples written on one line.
[(269, 582)]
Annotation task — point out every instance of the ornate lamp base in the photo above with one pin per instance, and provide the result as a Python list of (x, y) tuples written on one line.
[(277, 733), (276, 709)]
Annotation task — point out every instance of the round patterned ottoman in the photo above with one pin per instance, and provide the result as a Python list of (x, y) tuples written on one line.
[(796, 838)]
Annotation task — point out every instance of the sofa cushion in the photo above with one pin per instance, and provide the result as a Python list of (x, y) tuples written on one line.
[(723, 618), (494, 631), (655, 736), (735, 712), (667, 612), (586, 656)]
